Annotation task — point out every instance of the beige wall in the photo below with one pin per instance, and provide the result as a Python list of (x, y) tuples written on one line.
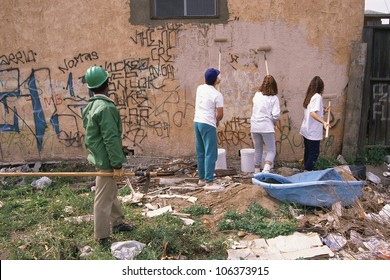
[(154, 71)]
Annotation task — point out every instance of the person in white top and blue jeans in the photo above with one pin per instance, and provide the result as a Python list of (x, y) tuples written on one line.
[(265, 114), (313, 123), (208, 114)]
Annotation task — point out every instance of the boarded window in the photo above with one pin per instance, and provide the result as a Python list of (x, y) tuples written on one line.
[(164, 9)]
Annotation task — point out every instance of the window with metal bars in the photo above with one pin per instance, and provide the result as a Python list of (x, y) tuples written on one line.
[(165, 9)]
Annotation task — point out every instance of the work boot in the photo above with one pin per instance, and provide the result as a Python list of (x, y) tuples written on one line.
[(122, 227), (104, 241)]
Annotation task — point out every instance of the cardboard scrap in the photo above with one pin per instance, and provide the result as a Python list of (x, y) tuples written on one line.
[(191, 199), (187, 221), (159, 211), (295, 246), (382, 217), (79, 219)]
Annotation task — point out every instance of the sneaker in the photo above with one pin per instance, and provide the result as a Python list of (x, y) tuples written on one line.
[(122, 227), (201, 182), (214, 187)]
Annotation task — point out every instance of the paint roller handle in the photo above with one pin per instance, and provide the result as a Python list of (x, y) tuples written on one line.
[(266, 63), (327, 122)]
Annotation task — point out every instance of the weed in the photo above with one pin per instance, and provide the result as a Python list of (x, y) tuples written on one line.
[(197, 210), (372, 155), (325, 162), (259, 221), (166, 236), (33, 226), (124, 191)]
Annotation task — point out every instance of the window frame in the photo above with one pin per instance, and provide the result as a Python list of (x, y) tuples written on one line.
[(154, 17)]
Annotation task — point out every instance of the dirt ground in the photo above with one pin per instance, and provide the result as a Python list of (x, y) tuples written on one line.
[(177, 181), (240, 193), (235, 198)]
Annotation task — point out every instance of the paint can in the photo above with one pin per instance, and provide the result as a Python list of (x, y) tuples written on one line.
[(247, 160), (221, 160)]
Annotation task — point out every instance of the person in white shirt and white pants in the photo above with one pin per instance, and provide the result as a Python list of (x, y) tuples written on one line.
[(265, 114)]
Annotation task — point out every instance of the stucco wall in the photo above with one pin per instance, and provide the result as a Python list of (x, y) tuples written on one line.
[(154, 71)]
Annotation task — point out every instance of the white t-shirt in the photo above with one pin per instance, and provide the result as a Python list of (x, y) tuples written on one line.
[(265, 112), (310, 128), (208, 99)]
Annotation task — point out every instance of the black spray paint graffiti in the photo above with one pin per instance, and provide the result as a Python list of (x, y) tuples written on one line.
[(133, 85), (20, 57), (161, 40), (235, 132), (80, 58), (133, 82), (142, 115)]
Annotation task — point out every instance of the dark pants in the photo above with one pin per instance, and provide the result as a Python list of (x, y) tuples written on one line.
[(312, 151)]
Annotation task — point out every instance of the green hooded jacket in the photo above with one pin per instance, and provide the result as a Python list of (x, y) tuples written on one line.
[(103, 133)]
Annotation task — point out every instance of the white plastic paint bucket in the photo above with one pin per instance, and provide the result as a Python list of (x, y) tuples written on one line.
[(247, 160), (221, 161)]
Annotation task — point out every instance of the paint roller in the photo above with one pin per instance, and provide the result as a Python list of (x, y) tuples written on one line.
[(264, 50), (327, 127), (220, 40), (331, 96)]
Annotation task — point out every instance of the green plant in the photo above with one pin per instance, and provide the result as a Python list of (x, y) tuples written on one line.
[(372, 155), (197, 210), (325, 162), (33, 226), (166, 235), (259, 221)]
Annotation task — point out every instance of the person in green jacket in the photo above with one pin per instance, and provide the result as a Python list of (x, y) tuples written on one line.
[(103, 140)]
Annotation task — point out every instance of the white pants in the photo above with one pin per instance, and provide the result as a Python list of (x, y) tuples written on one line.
[(259, 139)]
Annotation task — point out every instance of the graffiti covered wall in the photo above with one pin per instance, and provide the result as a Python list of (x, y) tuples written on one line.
[(154, 71)]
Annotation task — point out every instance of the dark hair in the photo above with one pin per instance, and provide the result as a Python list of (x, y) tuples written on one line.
[(316, 86), (101, 88), (269, 86)]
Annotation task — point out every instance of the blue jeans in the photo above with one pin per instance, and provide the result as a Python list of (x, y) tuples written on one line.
[(206, 150), (311, 153)]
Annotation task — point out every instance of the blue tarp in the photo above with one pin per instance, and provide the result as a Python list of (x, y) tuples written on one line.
[(319, 188)]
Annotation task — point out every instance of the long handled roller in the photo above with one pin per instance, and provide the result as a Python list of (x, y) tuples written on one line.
[(264, 50), (327, 127), (220, 40)]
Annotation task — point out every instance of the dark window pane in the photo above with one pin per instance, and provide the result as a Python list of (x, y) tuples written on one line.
[(165, 8), (201, 7)]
